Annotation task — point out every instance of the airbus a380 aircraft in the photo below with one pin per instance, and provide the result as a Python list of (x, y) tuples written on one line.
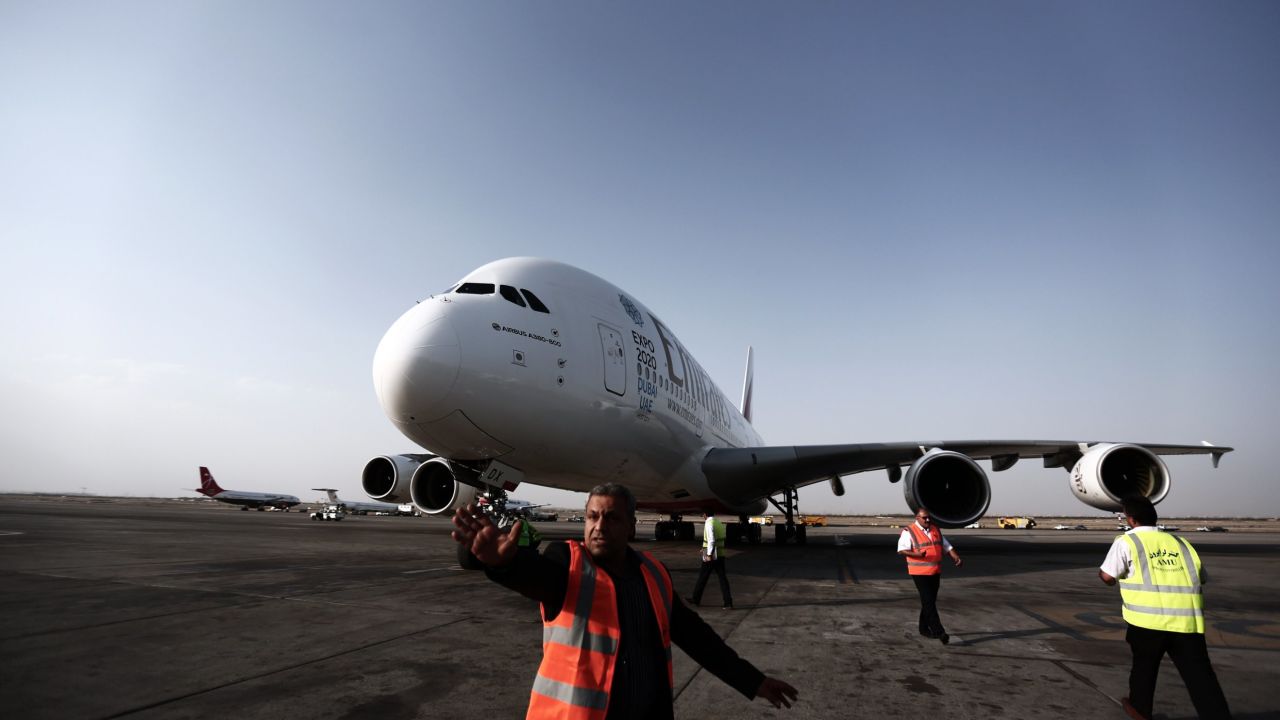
[(530, 370), (209, 487)]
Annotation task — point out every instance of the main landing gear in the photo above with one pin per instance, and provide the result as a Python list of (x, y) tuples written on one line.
[(677, 528), (743, 531), (790, 508)]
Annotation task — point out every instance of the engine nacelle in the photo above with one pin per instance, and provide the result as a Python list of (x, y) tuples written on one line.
[(434, 489), (386, 477), (1109, 472), (950, 485)]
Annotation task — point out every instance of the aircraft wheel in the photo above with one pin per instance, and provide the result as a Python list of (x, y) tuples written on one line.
[(754, 534), (780, 534), (800, 535)]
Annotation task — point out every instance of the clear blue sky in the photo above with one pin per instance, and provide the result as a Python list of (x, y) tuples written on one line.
[(933, 220)]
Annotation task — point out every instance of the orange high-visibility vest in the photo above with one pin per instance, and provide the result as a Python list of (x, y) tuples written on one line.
[(931, 543), (580, 646)]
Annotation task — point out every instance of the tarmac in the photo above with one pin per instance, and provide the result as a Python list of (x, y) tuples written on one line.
[(150, 609)]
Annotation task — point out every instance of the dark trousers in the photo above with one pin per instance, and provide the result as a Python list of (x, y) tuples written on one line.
[(707, 567), (927, 586), (1189, 655)]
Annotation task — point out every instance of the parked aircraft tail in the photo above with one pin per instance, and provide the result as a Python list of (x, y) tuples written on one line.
[(333, 494), (746, 389), (208, 486)]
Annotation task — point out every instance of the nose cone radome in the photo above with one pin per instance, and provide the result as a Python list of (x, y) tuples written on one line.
[(416, 365)]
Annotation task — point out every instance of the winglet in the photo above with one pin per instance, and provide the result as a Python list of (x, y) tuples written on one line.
[(746, 388)]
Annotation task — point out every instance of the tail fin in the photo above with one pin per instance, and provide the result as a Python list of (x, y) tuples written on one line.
[(746, 389), (333, 494), (208, 486)]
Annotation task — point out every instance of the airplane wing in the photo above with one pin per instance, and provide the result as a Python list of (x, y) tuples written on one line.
[(742, 475)]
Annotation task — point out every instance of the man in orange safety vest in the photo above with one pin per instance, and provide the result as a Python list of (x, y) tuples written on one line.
[(610, 616), (922, 544)]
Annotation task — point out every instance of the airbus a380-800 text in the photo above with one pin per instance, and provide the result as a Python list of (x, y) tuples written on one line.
[(530, 370)]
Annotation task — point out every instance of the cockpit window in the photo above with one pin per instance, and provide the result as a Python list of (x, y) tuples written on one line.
[(475, 289), (510, 294), (534, 302)]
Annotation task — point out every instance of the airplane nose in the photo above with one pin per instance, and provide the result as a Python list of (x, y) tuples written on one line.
[(416, 364)]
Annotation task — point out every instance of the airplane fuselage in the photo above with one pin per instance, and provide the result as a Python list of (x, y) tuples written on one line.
[(256, 500), (595, 389)]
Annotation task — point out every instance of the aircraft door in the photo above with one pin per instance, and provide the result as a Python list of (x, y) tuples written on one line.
[(615, 360)]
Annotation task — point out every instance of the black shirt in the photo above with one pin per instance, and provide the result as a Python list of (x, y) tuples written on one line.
[(640, 686)]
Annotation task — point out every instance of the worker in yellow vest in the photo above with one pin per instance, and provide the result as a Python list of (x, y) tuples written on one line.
[(1160, 579), (923, 545), (610, 617), (529, 535), (713, 539)]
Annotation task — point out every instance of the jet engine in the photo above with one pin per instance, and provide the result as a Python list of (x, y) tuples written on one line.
[(434, 488), (387, 477), (950, 485), (1109, 472)]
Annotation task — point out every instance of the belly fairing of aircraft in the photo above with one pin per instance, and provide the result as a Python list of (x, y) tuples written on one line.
[(531, 370)]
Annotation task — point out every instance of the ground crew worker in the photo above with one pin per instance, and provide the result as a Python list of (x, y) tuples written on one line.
[(529, 535), (610, 616), (1160, 578), (922, 544), (713, 539)]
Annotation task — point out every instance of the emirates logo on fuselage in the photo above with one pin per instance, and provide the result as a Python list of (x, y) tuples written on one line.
[(632, 311)]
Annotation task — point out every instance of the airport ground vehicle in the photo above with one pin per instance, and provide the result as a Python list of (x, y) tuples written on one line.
[(1211, 528), (813, 520), (328, 512), (1009, 523), (761, 519)]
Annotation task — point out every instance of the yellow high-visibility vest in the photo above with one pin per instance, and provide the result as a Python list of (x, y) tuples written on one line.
[(717, 531), (1162, 591)]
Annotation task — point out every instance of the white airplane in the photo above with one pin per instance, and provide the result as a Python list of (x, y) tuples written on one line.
[(359, 507), (529, 511), (530, 370), (246, 500)]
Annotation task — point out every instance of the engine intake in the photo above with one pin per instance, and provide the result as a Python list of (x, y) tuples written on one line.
[(386, 477), (434, 488), (1109, 472), (951, 485)]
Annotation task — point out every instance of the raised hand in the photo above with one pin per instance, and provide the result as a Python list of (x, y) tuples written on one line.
[(476, 532)]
